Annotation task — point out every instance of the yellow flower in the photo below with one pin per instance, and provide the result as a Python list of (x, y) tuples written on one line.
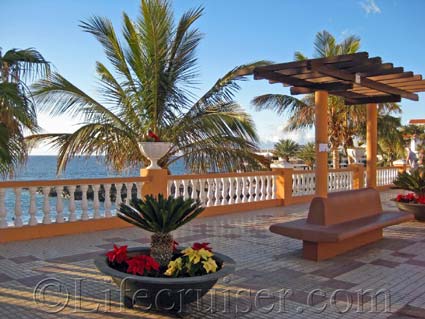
[(173, 266), (195, 256), (210, 265)]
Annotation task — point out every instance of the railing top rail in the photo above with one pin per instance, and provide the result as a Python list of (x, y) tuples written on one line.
[(66, 182), (341, 170), (221, 175), (388, 167)]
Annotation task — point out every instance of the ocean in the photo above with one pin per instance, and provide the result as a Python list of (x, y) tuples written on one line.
[(44, 168)]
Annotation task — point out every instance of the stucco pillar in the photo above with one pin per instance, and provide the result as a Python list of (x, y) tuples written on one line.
[(371, 143), (321, 112), (157, 183)]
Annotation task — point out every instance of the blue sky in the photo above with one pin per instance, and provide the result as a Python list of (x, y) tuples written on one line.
[(235, 32)]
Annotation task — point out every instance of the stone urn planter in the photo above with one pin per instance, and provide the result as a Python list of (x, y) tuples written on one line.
[(163, 293), (417, 209), (154, 151)]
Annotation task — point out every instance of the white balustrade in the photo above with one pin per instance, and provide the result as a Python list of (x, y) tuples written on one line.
[(340, 181), (30, 203), (386, 176), (225, 190), (303, 184)]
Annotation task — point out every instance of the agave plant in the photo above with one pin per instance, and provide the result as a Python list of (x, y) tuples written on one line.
[(413, 181), (160, 216)]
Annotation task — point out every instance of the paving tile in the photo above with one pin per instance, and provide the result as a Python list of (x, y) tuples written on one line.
[(416, 262), (411, 312), (337, 284), (4, 277), (385, 263), (115, 239), (338, 269), (76, 258), (23, 259), (32, 281), (404, 255)]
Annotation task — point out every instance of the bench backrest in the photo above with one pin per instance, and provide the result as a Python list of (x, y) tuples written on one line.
[(344, 206)]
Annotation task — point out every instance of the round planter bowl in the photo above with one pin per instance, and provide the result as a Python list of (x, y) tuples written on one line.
[(154, 151), (163, 294), (416, 209)]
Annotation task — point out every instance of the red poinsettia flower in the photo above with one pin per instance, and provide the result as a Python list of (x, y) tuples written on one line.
[(118, 255), (153, 135), (399, 198), (175, 245), (140, 264), (410, 196), (421, 199), (199, 246)]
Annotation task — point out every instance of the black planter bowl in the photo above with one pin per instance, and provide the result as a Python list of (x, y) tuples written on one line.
[(416, 209), (162, 293)]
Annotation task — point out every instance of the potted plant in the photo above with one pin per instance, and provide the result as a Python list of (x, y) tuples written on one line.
[(163, 276), (154, 149), (414, 202)]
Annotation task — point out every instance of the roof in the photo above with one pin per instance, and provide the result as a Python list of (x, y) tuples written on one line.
[(355, 77), (417, 121)]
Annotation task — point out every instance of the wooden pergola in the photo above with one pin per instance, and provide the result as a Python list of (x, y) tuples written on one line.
[(356, 78)]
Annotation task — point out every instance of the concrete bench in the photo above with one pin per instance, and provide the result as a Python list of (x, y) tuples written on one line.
[(341, 222)]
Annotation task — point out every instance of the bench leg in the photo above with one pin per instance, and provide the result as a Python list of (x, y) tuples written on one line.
[(325, 250)]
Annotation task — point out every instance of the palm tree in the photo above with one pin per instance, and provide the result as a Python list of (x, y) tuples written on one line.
[(17, 111), (307, 153), (390, 139), (344, 121), (286, 149), (150, 87)]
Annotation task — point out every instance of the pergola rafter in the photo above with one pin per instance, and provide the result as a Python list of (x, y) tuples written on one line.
[(355, 77)]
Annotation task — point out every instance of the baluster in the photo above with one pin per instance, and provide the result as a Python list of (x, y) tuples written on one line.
[(33, 207), (184, 193), (232, 186), (257, 188), (129, 187), (84, 203), (170, 187), (217, 192), (248, 195), (139, 187), (224, 190), (238, 190), (210, 192), (18, 208), (59, 204), (107, 203), (273, 187), (294, 187), (72, 216), (244, 189), (263, 188), (202, 192), (118, 198), (250, 189), (96, 204), (3, 212), (46, 205), (269, 188)]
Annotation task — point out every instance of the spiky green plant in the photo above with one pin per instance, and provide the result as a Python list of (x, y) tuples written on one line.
[(160, 216), (413, 181)]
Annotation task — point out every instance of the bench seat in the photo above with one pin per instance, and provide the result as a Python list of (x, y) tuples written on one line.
[(341, 222), (300, 229)]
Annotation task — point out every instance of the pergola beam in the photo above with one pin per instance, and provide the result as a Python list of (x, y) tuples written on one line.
[(363, 81)]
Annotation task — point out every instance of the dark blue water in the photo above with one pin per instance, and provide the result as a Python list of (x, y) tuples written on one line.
[(44, 168)]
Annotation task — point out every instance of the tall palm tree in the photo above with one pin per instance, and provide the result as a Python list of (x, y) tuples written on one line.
[(150, 86), (344, 121), (307, 153), (286, 148), (17, 111)]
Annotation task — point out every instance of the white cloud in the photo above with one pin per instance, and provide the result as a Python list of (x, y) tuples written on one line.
[(369, 6)]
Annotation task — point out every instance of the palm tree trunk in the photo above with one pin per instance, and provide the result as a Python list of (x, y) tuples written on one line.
[(162, 248)]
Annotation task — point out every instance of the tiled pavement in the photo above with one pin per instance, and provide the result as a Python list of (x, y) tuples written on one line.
[(271, 281)]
